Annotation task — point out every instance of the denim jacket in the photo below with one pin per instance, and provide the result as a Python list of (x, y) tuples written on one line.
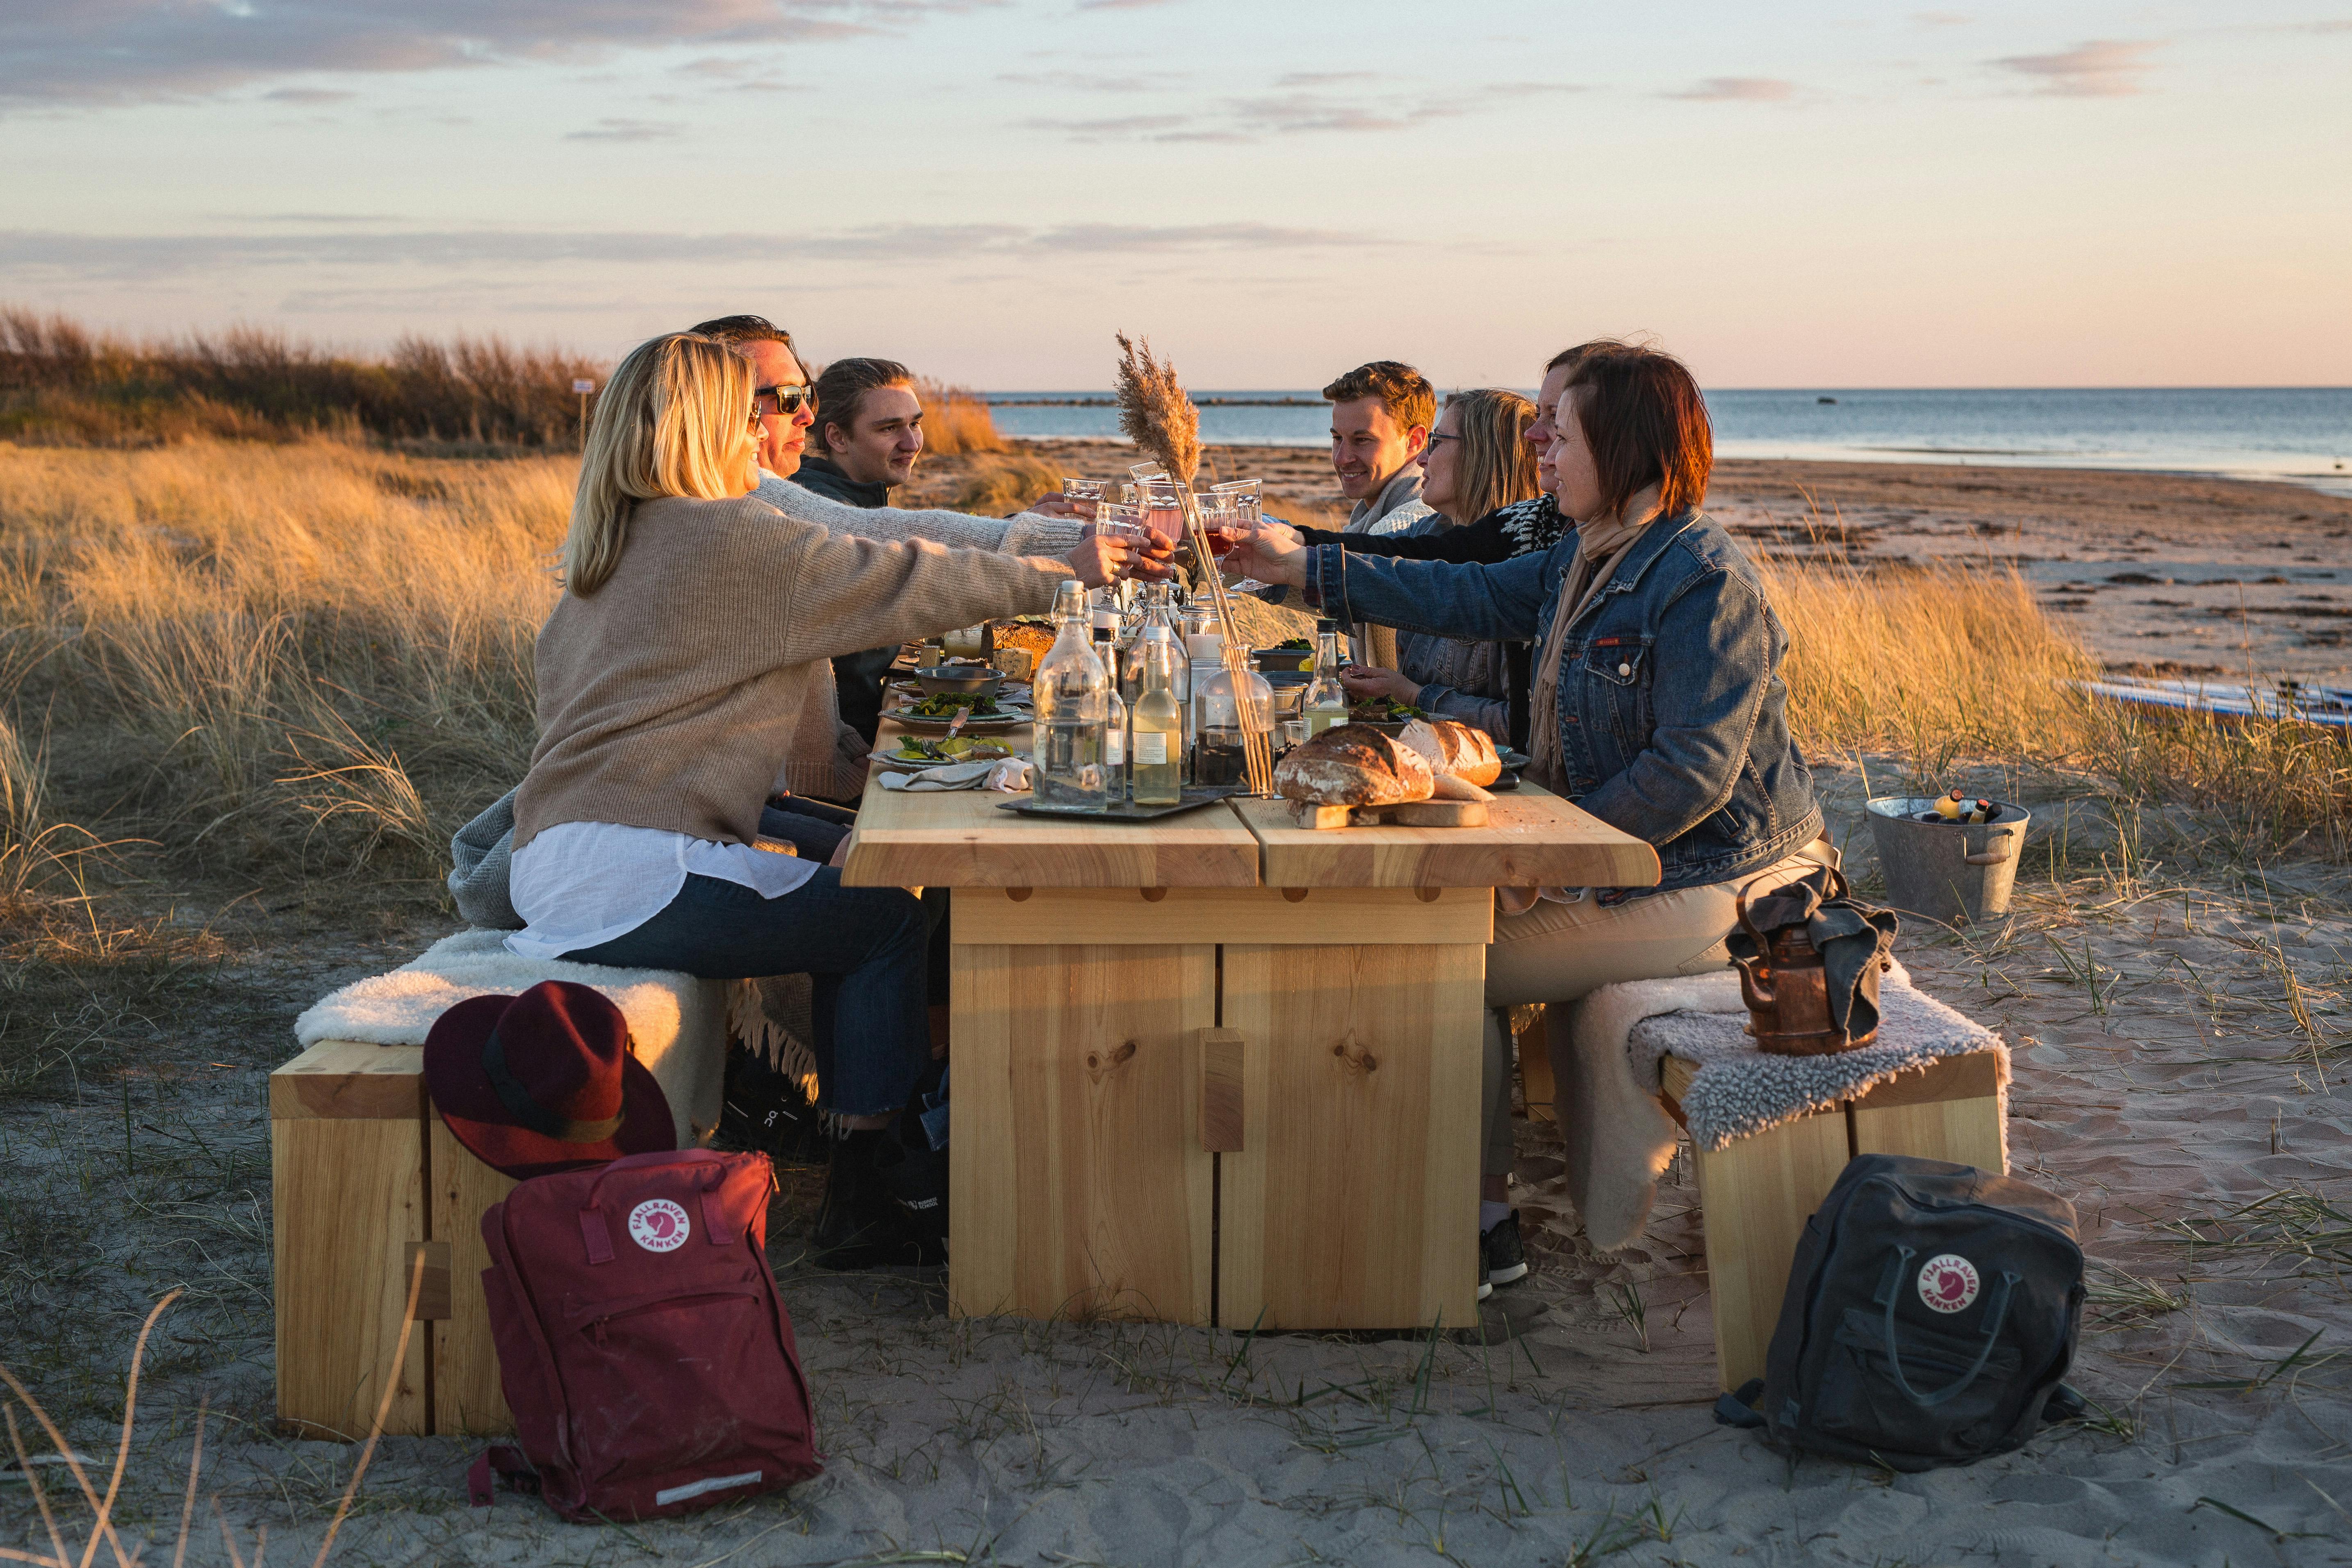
[(1673, 715)]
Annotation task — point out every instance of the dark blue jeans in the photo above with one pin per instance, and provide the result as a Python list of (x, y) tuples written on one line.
[(864, 949)]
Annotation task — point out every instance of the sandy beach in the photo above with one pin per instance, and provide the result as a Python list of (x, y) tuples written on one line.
[(2179, 1024)]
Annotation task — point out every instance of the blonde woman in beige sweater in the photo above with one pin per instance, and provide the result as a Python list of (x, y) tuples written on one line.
[(684, 668)]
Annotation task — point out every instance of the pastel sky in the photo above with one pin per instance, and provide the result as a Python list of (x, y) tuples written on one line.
[(2064, 192)]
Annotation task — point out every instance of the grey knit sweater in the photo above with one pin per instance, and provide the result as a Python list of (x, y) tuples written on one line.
[(673, 696), (1025, 533)]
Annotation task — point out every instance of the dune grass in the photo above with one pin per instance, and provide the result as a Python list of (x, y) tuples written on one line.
[(1952, 666), (64, 385), (313, 658)]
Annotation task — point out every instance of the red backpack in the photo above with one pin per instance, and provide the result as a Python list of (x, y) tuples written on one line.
[(640, 1344)]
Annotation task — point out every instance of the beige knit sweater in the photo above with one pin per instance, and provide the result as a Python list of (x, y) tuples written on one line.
[(674, 696)]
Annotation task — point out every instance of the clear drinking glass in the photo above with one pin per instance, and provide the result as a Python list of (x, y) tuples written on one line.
[(1120, 520), (1082, 494)]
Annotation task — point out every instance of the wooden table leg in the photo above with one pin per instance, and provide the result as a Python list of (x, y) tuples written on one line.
[(1078, 1184), (1353, 1202)]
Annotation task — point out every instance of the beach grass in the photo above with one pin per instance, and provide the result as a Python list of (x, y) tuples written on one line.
[(1954, 667), (310, 658), (63, 385)]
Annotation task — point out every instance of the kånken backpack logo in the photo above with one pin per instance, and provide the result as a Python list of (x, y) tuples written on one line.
[(658, 1225), (1947, 1283)]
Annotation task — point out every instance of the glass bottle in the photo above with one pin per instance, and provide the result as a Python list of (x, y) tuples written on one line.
[(1156, 767), (1326, 702), (1069, 694), (1218, 754), (1158, 610), (1114, 719)]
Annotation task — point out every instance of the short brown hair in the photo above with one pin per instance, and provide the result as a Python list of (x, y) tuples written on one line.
[(733, 330), (1403, 391), (843, 388), (1647, 424)]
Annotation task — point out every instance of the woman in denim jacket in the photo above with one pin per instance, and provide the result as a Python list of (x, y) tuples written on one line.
[(1475, 464), (1658, 664)]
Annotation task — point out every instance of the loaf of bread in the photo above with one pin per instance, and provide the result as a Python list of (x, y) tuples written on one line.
[(1457, 749), (1352, 764)]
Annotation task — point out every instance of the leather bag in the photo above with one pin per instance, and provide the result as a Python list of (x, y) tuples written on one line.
[(1810, 956)]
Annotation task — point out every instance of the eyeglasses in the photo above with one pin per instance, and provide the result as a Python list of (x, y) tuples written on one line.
[(1437, 435), (788, 400)]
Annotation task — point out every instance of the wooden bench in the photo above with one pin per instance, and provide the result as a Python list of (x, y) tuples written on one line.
[(364, 1177), (1756, 1193)]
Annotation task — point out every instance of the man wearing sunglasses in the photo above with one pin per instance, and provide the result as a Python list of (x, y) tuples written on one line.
[(785, 406)]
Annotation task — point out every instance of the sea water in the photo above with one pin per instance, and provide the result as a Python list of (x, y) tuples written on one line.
[(2302, 434)]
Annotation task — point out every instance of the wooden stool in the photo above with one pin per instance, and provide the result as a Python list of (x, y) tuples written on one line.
[(365, 1177), (1756, 1193)]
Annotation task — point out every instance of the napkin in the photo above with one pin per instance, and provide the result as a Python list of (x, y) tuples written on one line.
[(1009, 774)]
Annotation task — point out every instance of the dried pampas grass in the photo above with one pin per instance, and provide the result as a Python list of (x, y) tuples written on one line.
[(1154, 411)]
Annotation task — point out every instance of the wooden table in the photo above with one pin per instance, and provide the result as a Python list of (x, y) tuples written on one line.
[(1219, 1068)]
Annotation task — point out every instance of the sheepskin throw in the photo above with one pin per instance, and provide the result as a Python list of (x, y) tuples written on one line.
[(1618, 1135), (678, 1024)]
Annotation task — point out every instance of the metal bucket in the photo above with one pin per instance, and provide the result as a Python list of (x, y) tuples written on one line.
[(1946, 871)]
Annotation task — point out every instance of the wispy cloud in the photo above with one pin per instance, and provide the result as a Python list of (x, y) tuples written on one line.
[(1299, 111), (2103, 68), (37, 255), (1083, 81), (1737, 89), (1941, 19), (627, 131), (135, 50), (305, 95)]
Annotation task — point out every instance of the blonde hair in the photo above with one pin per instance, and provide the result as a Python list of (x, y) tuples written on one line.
[(673, 420), (1496, 467)]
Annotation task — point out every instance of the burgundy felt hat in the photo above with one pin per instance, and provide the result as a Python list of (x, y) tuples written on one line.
[(544, 1081)]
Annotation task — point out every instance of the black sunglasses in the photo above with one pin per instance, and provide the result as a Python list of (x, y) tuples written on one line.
[(788, 399)]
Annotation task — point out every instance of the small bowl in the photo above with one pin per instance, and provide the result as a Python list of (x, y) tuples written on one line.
[(976, 679), (1269, 659)]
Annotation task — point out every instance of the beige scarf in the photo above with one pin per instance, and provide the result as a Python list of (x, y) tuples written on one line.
[(1599, 547)]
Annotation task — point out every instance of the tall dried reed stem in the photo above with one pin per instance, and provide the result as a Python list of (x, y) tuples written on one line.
[(1154, 411), (1160, 417)]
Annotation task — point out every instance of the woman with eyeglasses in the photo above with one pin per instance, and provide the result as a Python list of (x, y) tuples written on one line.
[(1476, 463), (684, 668)]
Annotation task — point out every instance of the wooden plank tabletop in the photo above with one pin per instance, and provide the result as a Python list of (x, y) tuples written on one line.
[(957, 839), (1533, 838)]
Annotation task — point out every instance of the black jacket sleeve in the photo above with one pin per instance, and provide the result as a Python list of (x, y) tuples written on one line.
[(1483, 542)]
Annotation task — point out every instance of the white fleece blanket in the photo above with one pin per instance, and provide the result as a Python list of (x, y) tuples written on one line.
[(678, 1024), (1618, 1135)]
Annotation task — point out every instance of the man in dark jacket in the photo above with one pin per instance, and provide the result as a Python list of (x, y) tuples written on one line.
[(868, 433)]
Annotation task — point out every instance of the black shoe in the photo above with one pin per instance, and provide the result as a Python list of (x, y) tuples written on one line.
[(1505, 1260), (908, 1168), (860, 1224), (766, 1112)]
